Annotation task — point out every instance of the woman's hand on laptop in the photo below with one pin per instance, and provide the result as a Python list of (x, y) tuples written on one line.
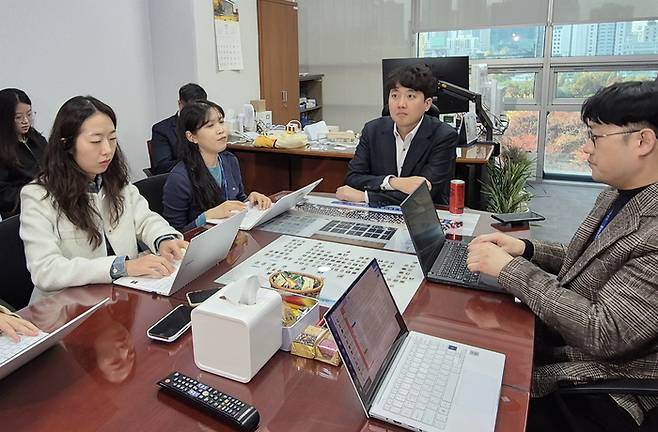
[(173, 249), (225, 209), (12, 326), (258, 199), (509, 244), (150, 265)]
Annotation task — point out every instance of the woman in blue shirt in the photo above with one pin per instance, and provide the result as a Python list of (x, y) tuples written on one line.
[(206, 183)]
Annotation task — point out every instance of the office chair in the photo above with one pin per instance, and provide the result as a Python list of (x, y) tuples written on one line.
[(624, 386), (16, 288), (433, 111), (151, 189), (148, 171)]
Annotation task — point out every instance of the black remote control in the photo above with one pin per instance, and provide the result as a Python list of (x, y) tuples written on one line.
[(226, 407)]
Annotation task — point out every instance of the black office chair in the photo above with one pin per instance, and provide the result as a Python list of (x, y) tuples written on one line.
[(433, 111), (622, 386), (148, 171), (151, 189), (16, 287)]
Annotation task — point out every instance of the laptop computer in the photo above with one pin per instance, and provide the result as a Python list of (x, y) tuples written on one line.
[(204, 251), (411, 379), (256, 216), (15, 354), (441, 259)]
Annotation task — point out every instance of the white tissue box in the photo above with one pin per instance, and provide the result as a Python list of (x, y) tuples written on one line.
[(235, 340)]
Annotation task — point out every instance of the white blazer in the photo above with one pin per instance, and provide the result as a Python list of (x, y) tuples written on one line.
[(58, 253)]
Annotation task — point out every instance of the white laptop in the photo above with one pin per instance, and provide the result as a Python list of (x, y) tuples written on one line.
[(410, 379), (204, 251), (256, 216), (15, 354)]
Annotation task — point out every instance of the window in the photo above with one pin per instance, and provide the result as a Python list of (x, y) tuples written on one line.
[(519, 87), (565, 136), (583, 84), (606, 39), (522, 131), (519, 42)]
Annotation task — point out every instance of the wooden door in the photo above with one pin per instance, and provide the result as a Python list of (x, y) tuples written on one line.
[(279, 58)]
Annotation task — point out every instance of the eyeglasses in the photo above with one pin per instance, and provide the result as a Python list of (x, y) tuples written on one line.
[(29, 116), (593, 137)]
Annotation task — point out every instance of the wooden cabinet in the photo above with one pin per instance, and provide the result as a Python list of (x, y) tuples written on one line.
[(278, 54), (310, 87)]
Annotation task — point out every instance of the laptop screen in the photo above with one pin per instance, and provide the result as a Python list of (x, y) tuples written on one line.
[(368, 327), (424, 226)]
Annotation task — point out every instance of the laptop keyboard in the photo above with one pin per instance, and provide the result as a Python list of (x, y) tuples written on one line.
[(454, 264), (9, 348), (425, 384)]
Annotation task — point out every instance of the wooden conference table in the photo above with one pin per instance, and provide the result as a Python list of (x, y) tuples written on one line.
[(269, 170), (102, 376)]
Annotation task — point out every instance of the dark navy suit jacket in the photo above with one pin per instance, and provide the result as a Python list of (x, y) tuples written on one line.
[(431, 155), (179, 208), (164, 145)]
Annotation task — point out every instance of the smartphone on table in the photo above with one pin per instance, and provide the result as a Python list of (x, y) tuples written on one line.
[(513, 218), (195, 298), (172, 325)]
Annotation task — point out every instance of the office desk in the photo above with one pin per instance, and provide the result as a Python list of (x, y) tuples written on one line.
[(268, 170), (103, 375)]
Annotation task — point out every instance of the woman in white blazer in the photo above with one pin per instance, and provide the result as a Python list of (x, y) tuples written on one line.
[(81, 219)]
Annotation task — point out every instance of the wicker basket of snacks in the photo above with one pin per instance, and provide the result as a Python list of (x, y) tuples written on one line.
[(297, 283)]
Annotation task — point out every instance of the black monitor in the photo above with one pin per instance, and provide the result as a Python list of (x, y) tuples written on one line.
[(451, 69)]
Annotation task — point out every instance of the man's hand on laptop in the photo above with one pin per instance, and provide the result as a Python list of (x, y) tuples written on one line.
[(225, 209), (12, 326), (511, 245), (258, 199), (408, 184), (150, 265), (348, 193), (487, 257), (173, 249)]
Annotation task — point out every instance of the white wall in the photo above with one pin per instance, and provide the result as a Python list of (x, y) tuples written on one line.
[(230, 89), (346, 40), (56, 50), (173, 48)]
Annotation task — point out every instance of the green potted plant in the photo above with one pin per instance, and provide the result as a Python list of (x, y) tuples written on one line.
[(508, 177)]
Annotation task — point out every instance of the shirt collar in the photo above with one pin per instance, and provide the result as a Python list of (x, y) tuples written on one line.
[(410, 136), (95, 185)]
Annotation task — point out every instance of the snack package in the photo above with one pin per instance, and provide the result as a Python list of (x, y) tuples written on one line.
[(316, 343)]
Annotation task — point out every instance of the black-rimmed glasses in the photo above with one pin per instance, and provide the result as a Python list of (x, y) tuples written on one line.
[(594, 137)]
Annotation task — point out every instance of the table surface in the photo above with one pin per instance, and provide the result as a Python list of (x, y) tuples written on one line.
[(475, 154), (102, 376)]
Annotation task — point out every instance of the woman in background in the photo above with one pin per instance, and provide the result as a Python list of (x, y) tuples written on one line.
[(21, 148), (81, 219), (206, 183)]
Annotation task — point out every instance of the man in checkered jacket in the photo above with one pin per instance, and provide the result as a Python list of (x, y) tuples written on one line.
[(596, 299)]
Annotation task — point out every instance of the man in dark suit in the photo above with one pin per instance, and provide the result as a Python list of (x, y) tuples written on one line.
[(397, 153), (164, 139), (596, 299)]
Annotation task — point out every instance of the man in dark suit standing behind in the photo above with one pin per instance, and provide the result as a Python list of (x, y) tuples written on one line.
[(164, 139), (397, 153)]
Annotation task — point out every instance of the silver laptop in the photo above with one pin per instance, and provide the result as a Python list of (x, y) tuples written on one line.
[(15, 354), (413, 380), (256, 216), (204, 251), (442, 260)]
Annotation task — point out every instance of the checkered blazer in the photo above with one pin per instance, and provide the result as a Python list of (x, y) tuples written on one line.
[(603, 301)]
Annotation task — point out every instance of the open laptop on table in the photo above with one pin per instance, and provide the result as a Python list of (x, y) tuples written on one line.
[(15, 354), (256, 216), (442, 260), (204, 251), (411, 379)]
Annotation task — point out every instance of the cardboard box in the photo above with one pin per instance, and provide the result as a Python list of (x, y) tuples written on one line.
[(258, 104)]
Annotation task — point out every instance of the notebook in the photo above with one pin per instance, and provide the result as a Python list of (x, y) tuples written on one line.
[(15, 354), (442, 260), (204, 251), (256, 216), (411, 379)]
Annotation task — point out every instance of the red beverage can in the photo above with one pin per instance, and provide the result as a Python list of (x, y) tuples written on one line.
[(457, 196)]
